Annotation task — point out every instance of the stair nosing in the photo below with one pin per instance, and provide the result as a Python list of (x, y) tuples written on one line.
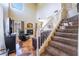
[(56, 49), (59, 43), (64, 38), (67, 33), (67, 29)]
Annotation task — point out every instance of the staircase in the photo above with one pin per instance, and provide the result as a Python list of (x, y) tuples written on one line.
[(65, 40)]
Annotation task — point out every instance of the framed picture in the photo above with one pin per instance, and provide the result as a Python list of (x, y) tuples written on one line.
[(29, 25)]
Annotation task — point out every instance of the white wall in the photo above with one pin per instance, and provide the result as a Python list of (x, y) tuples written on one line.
[(5, 17), (45, 10), (72, 9), (72, 13), (2, 44)]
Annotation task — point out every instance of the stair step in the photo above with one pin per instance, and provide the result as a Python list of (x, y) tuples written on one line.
[(69, 20), (63, 47), (48, 54), (73, 23), (67, 41), (67, 35), (68, 30), (55, 52), (72, 27), (72, 19), (75, 27)]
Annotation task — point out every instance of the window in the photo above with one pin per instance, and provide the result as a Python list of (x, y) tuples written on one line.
[(18, 6)]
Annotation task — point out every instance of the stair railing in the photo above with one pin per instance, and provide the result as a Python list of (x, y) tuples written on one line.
[(53, 22), (45, 31)]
